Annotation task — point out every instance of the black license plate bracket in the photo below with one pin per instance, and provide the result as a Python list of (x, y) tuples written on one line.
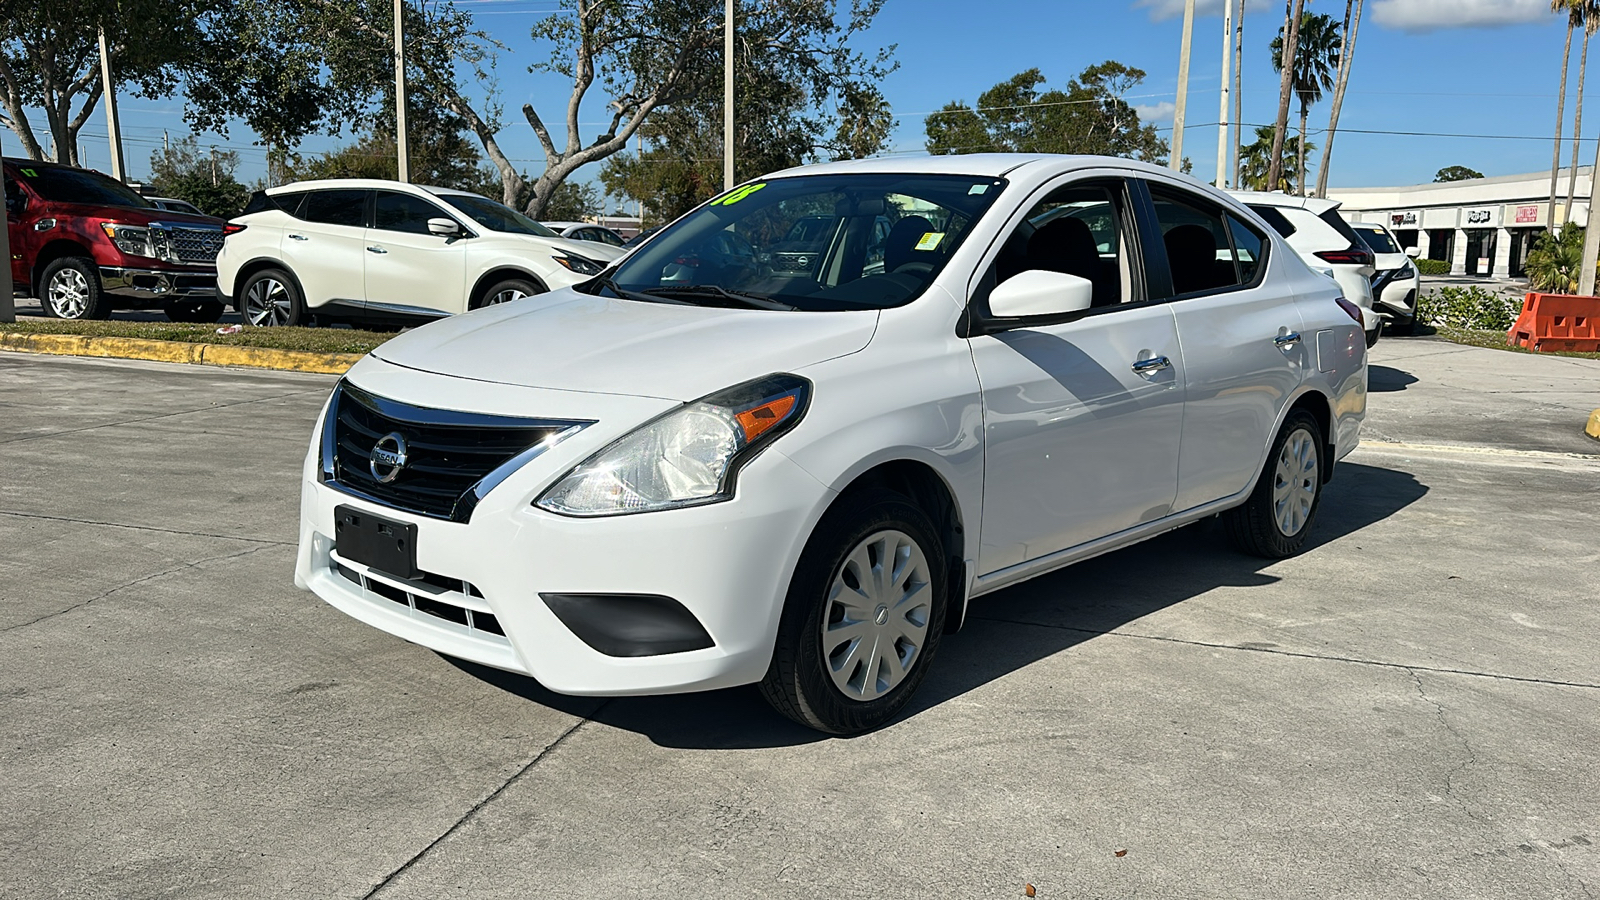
[(376, 542)]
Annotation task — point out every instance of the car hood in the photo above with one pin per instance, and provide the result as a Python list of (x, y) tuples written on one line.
[(571, 341), (138, 215), (600, 253)]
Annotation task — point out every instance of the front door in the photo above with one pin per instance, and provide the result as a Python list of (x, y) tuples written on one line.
[(408, 269), (17, 232), (1081, 417)]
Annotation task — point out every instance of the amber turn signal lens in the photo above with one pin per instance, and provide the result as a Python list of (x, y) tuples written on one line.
[(756, 421)]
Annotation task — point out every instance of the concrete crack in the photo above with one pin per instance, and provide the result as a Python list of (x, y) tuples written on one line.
[(135, 582), (206, 534), (478, 807), (185, 412), (1472, 755)]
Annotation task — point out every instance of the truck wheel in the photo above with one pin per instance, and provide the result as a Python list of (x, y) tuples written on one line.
[(70, 289), (193, 310), (269, 297)]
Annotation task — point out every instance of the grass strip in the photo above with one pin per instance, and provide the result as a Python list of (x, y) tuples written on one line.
[(1496, 340), (312, 340)]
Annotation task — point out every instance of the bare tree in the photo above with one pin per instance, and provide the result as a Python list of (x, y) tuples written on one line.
[(1291, 41), (1352, 28), (1591, 20), (1574, 17)]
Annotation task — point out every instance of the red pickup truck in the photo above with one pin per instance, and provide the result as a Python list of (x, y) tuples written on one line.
[(85, 244)]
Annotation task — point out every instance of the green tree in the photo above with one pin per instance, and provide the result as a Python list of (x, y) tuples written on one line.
[(1090, 116), (1456, 173), (1555, 263), (1315, 63), (205, 178), (1255, 162), (574, 201)]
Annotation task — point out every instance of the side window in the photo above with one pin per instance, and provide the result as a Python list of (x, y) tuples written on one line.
[(1249, 248), (16, 201), (336, 208), (1276, 219), (610, 237), (1077, 230), (1199, 249), (405, 213)]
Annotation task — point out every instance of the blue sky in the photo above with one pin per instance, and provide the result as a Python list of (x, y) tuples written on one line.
[(1487, 67)]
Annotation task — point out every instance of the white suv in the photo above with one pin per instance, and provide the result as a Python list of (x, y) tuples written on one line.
[(677, 477), (382, 251), (1314, 228), (1397, 284)]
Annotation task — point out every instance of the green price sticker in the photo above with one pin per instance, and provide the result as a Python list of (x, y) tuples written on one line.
[(738, 195)]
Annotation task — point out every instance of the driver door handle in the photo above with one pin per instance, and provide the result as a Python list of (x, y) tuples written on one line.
[(376, 250), (299, 237), (1285, 341), (1152, 365)]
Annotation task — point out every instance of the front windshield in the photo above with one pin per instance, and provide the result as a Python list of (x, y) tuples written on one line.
[(812, 242), (63, 185), (496, 216), (1378, 240)]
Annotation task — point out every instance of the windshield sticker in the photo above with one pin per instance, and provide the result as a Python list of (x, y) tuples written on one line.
[(29, 172), (978, 189), (930, 240), (738, 195)]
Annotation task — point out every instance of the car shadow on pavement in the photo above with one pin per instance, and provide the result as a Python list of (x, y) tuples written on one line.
[(1072, 606), (1383, 379)]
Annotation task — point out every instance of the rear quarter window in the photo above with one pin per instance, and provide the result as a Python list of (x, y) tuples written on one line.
[(1276, 219)]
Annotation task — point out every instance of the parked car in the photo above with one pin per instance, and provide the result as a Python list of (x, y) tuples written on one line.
[(1315, 229), (175, 205), (585, 231), (385, 252), (86, 244), (1396, 284), (642, 486)]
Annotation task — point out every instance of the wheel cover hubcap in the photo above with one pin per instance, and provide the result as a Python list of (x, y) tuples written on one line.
[(69, 293), (506, 296), (876, 620), (267, 303), (1295, 482)]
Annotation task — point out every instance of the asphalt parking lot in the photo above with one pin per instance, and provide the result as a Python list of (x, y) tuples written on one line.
[(1411, 709)]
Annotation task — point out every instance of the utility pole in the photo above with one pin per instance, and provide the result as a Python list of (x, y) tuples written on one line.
[(727, 96), (213, 166), (402, 150), (1238, 95), (113, 126), (1223, 131), (1176, 160), (8, 300)]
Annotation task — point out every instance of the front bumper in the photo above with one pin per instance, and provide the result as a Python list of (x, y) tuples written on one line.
[(159, 284), (728, 564)]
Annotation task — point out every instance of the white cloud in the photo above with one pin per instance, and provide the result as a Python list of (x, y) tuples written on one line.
[(1160, 112), (1161, 10), (1430, 15)]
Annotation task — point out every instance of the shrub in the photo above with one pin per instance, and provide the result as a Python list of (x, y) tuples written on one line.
[(1556, 261), (1433, 266), (1468, 307)]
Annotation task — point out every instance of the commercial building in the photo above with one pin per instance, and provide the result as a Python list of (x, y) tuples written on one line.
[(1483, 226)]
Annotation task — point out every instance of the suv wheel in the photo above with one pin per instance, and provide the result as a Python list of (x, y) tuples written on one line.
[(193, 310), (863, 616), (269, 297), (70, 289), (507, 291), (1274, 522)]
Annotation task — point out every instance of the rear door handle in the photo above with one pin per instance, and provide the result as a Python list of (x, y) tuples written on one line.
[(299, 237), (1285, 341), (376, 250), (1152, 365)]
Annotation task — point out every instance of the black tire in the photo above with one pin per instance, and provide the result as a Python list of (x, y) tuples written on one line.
[(1405, 327), (70, 289), (194, 310), (269, 298), (1373, 335), (1258, 527), (505, 291), (800, 682)]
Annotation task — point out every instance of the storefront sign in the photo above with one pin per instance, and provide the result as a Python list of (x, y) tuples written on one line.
[(1479, 218), (1407, 219), (1528, 215)]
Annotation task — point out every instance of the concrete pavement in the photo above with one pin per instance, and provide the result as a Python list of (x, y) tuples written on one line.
[(1407, 710)]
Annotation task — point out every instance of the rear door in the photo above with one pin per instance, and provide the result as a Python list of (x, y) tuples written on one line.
[(325, 249), (408, 268), (1243, 352)]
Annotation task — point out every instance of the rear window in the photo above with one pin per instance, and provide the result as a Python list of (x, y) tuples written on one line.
[(1337, 223), (336, 208)]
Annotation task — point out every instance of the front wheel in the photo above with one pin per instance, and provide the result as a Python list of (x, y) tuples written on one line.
[(508, 290), (71, 290), (863, 616), (1276, 519)]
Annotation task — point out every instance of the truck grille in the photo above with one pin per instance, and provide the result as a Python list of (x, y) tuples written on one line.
[(451, 459), (181, 244)]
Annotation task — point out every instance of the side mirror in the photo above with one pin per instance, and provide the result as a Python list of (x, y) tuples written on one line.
[(1414, 252), (1040, 293), (445, 227)]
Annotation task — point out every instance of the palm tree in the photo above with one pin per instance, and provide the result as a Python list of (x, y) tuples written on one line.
[(1255, 162), (1590, 11), (1291, 22), (1314, 62), (1352, 28), (1573, 9)]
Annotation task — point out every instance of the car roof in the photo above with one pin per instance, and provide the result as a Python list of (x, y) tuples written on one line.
[(1315, 205), (982, 165), (557, 223), (365, 184)]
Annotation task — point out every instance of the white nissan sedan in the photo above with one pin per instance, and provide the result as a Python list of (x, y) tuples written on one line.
[(678, 477)]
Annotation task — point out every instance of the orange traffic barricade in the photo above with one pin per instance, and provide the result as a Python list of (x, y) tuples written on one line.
[(1557, 322)]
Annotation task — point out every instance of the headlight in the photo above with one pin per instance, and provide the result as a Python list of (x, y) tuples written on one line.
[(580, 264), (688, 457), (133, 240)]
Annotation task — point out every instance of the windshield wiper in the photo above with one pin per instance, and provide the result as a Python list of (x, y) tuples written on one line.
[(626, 294), (755, 301)]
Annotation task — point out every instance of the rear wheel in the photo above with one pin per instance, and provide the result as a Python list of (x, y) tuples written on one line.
[(270, 298), (70, 289), (1276, 519), (863, 616)]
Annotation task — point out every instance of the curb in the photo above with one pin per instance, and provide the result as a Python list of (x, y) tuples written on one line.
[(180, 352), (1593, 429)]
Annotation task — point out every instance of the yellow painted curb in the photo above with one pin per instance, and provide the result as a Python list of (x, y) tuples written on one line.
[(180, 351), (1594, 425)]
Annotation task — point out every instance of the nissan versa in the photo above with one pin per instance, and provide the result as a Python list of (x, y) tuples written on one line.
[(709, 467)]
